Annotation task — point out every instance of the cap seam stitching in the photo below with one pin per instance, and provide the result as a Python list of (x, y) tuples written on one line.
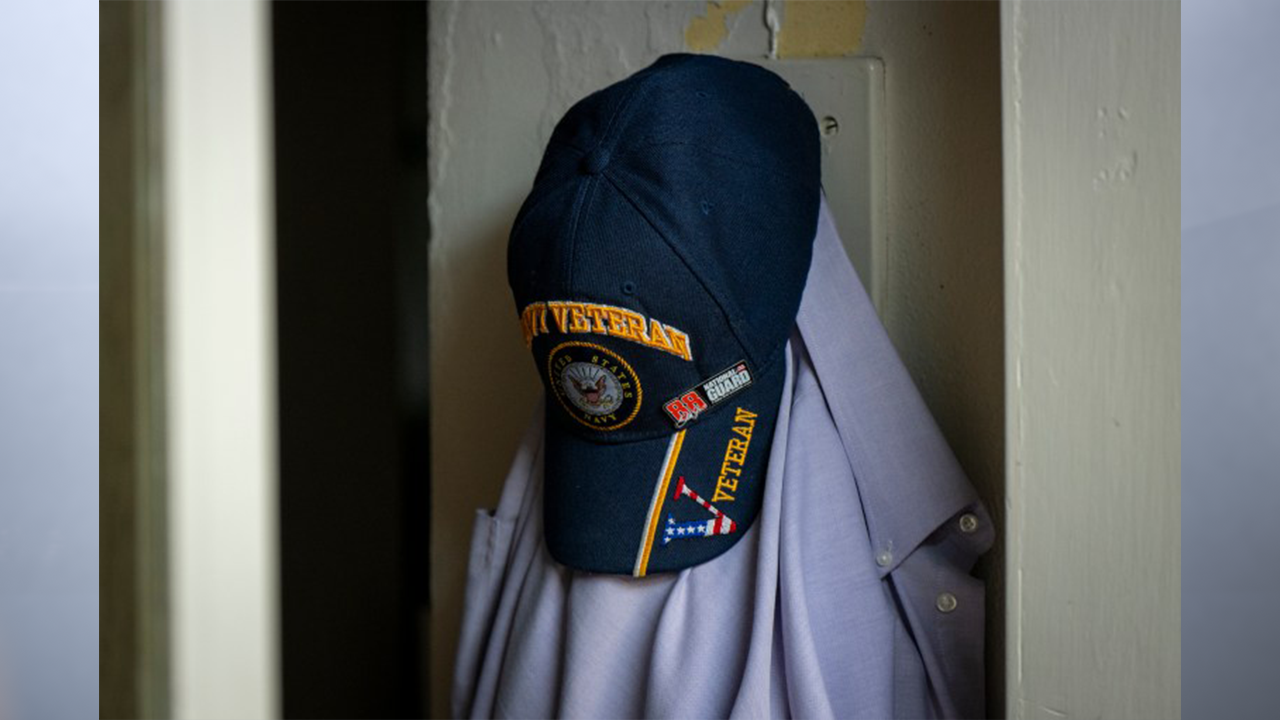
[(579, 202), (732, 322), (601, 141), (565, 143), (587, 192), (732, 158)]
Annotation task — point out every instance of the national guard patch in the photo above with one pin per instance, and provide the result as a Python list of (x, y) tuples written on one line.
[(594, 385), (686, 407)]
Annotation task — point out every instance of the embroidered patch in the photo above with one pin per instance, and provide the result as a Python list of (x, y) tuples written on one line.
[(717, 524), (583, 317), (594, 385), (686, 408)]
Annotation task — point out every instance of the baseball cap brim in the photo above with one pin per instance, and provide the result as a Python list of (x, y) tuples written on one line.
[(667, 503)]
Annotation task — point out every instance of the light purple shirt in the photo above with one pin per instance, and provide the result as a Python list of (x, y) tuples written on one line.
[(849, 597)]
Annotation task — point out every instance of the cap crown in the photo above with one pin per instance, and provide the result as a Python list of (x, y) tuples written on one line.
[(687, 196)]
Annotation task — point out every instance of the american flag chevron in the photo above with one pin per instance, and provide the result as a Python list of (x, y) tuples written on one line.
[(717, 524)]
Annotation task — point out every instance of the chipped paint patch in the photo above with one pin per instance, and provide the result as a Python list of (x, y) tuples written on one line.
[(821, 28), (706, 32)]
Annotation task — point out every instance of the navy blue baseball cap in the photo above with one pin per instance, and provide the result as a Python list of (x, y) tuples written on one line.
[(657, 267)]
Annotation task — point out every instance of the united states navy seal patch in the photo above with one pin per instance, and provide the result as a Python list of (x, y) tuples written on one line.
[(594, 385)]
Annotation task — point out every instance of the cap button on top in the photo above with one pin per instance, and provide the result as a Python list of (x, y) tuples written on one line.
[(594, 162)]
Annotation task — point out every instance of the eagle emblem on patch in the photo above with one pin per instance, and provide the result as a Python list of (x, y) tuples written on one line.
[(595, 390), (594, 385)]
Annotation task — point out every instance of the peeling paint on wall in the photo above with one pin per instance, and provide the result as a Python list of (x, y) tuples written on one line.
[(821, 28), (705, 32)]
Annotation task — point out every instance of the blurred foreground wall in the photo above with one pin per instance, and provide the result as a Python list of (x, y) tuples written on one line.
[(48, 363)]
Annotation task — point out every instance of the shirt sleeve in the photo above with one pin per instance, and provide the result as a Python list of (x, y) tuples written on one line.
[(943, 606)]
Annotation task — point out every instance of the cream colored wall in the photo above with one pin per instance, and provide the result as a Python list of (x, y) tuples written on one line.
[(1092, 211), (502, 74)]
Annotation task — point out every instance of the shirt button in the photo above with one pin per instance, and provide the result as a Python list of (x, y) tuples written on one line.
[(968, 522), (884, 558), (946, 602)]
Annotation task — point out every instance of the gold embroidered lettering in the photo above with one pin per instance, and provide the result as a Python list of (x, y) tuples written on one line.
[(679, 343), (598, 314), (560, 311), (618, 323), (528, 323), (635, 327), (735, 455), (577, 317), (658, 337)]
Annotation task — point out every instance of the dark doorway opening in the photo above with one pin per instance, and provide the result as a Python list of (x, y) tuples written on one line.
[(350, 120)]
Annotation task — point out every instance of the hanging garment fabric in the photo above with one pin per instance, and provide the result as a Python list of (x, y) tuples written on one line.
[(849, 597)]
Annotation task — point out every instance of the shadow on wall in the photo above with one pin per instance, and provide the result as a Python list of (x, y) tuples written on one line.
[(463, 375)]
